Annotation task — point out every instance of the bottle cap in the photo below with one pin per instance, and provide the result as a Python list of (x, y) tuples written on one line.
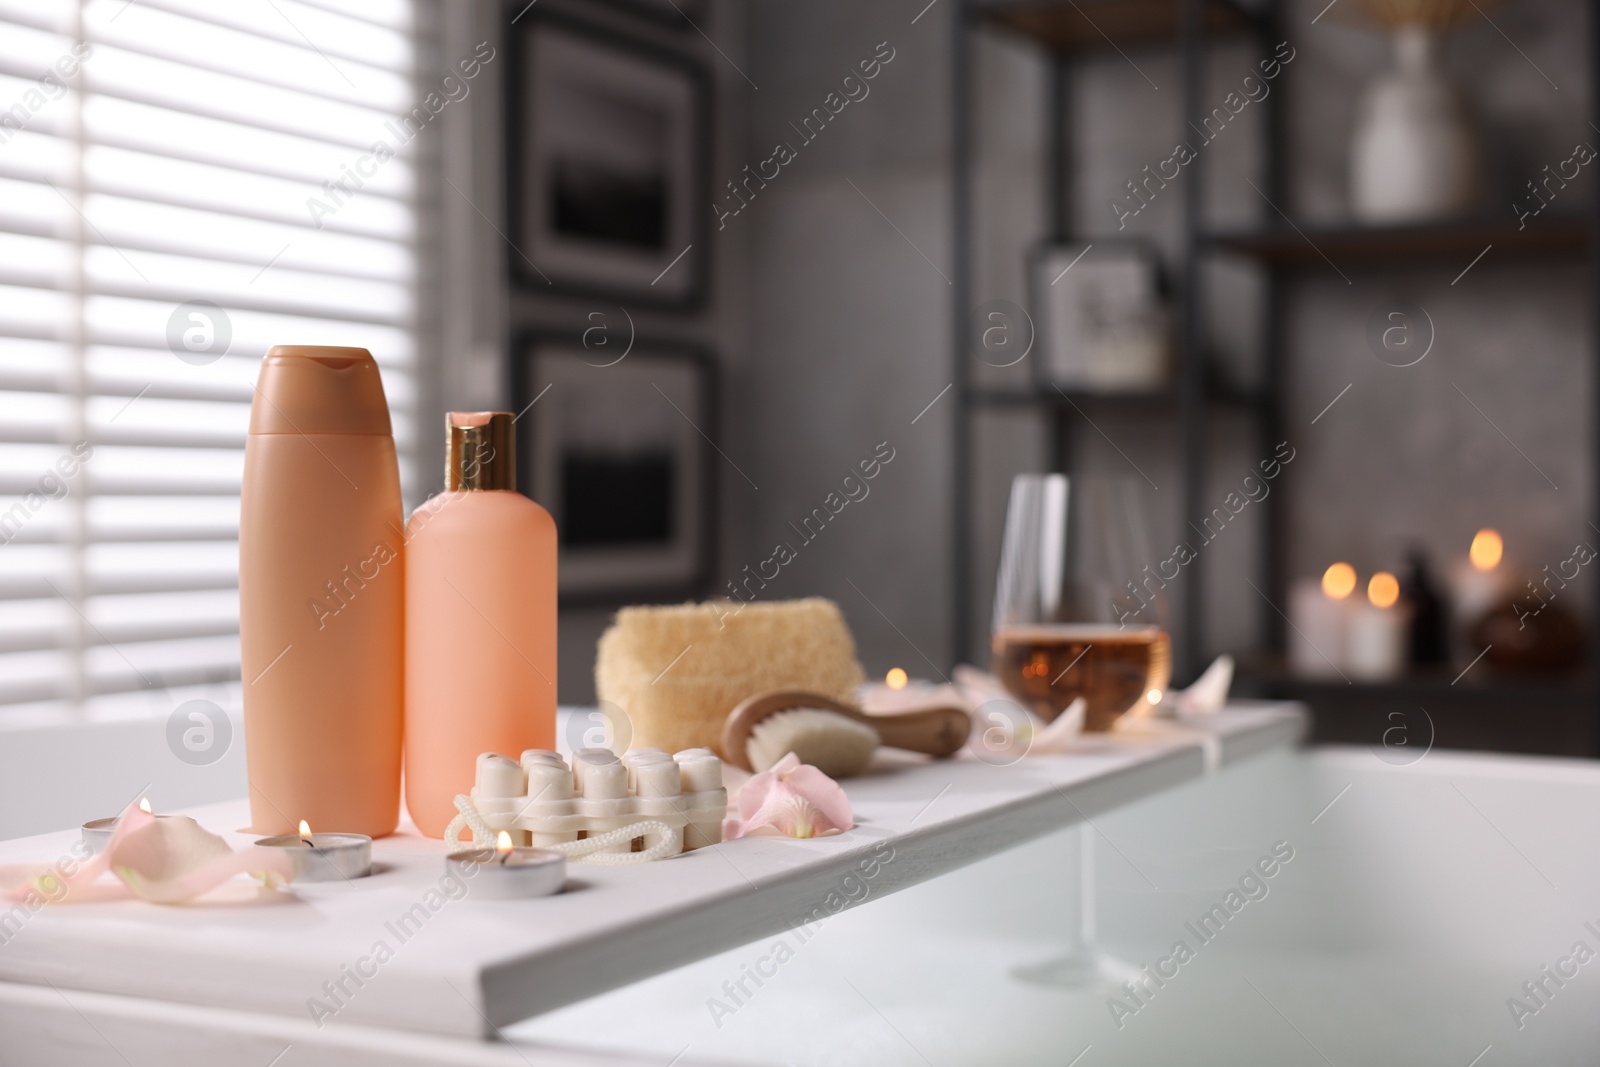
[(316, 389), (480, 451)]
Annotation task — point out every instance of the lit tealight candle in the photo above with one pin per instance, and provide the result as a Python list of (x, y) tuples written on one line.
[(1339, 580), (1318, 612), (1376, 642), (1486, 550), (324, 857), (1477, 584), (900, 692), (508, 872), (96, 833)]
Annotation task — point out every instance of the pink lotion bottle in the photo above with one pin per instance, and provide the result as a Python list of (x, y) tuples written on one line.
[(480, 664)]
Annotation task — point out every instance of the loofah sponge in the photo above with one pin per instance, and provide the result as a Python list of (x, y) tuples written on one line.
[(678, 670)]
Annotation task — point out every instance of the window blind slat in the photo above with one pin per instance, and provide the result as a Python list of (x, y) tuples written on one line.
[(150, 518), (36, 207), (354, 34), (130, 372), (33, 312), (50, 15), (209, 45), (134, 225), (238, 287), (26, 676), (119, 72), (129, 251), (187, 136), (162, 664), (393, 14), (120, 320), (178, 183), (32, 48)]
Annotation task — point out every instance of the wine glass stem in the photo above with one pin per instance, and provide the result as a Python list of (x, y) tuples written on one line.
[(1078, 859), (1081, 964)]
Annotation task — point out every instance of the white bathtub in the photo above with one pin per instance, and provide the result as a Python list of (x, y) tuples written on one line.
[(1412, 912)]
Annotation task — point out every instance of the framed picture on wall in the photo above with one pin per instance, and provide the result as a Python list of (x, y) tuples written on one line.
[(617, 450), (1101, 317), (606, 145)]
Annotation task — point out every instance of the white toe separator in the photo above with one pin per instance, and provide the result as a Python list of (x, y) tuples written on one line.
[(643, 806), (660, 840)]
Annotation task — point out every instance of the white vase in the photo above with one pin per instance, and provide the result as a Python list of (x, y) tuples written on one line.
[(1414, 154)]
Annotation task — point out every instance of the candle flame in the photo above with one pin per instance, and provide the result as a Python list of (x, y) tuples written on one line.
[(1487, 548), (896, 678), (1383, 590), (305, 828), (502, 845), (144, 805), (1339, 580)]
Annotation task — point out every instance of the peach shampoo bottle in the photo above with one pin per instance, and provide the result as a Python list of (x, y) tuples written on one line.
[(480, 662), (321, 596)]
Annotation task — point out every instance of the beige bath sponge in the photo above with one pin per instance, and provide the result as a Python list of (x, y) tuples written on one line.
[(678, 670)]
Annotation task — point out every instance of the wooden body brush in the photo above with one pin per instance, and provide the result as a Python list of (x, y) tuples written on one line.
[(834, 737)]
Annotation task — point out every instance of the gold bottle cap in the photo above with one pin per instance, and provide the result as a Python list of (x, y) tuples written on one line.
[(480, 451)]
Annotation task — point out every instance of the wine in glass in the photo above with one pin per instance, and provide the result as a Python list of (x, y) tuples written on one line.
[(1079, 610)]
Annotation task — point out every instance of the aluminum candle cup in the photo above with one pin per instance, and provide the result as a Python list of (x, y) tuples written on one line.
[(508, 874), (325, 857), (97, 833)]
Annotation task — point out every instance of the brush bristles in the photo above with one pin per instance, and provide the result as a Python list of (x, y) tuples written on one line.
[(837, 746)]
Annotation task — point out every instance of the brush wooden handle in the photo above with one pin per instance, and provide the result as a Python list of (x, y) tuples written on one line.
[(937, 731)]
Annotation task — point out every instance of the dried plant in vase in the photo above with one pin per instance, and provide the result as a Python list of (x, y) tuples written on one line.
[(1414, 155)]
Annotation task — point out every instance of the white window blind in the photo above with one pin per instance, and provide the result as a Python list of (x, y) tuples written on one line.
[(152, 154)]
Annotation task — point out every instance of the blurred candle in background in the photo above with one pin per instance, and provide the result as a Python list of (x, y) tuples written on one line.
[(1376, 643), (1486, 550), (1477, 585), (900, 692), (1339, 580), (1317, 617)]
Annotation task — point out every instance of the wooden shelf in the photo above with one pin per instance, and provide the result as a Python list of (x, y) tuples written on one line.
[(1086, 25), (1450, 245), (508, 960)]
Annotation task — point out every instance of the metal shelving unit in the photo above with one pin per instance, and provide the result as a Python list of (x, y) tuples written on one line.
[(1066, 29)]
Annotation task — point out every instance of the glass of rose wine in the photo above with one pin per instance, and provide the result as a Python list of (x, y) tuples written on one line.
[(1078, 610), (1077, 613)]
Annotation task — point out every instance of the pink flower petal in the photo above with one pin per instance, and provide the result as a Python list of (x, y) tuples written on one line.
[(166, 849), (166, 861), (827, 795), (792, 798), (70, 878), (753, 794), (175, 859)]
